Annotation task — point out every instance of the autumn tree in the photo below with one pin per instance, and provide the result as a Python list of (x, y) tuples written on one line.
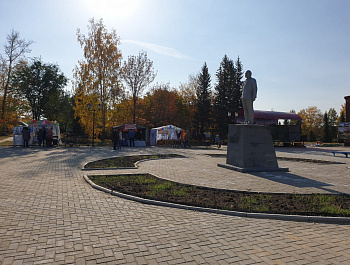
[(203, 102), (160, 106), (341, 117), (312, 121), (186, 103), (16, 104), (15, 49), (138, 73), (42, 85), (97, 75), (3, 78)]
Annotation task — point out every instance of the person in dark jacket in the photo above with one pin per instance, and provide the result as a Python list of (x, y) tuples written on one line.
[(44, 137), (115, 138), (40, 136), (26, 136), (132, 138)]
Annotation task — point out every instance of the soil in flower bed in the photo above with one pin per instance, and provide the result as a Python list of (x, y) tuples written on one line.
[(126, 161), (150, 187)]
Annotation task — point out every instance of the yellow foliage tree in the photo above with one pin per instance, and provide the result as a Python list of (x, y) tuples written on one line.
[(341, 117), (16, 105), (121, 113), (96, 77), (187, 96), (15, 48), (312, 121)]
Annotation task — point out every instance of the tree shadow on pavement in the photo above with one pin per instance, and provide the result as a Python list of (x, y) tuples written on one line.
[(319, 151), (49, 159), (296, 181)]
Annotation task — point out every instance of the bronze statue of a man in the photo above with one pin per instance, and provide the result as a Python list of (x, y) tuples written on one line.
[(249, 92)]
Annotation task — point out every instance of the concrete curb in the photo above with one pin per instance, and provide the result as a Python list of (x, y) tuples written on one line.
[(96, 186), (295, 218), (107, 168), (150, 159), (116, 168)]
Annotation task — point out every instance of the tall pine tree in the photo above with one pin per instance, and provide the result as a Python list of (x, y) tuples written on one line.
[(333, 118), (203, 103), (326, 129), (228, 94), (236, 103)]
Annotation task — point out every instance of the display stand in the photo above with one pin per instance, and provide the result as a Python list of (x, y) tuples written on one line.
[(34, 127)]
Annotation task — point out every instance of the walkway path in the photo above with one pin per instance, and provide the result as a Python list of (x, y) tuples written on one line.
[(50, 215)]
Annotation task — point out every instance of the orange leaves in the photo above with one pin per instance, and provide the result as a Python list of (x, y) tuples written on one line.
[(97, 75), (160, 106)]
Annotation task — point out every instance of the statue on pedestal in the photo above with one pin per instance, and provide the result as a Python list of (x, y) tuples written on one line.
[(249, 92)]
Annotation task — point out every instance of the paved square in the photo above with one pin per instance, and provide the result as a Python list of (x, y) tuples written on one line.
[(50, 215)]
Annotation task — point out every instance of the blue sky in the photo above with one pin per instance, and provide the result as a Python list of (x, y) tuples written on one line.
[(298, 50)]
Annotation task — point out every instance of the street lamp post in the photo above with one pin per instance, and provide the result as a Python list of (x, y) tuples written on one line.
[(93, 119)]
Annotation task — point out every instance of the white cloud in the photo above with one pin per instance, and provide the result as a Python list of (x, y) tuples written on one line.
[(163, 50)]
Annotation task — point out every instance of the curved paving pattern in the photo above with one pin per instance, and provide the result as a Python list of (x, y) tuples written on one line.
[(50, 215)]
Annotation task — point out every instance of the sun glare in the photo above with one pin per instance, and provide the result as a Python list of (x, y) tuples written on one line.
[(119, 9)]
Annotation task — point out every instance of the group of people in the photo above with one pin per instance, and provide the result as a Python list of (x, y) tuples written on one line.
[(44, 136), (117, 137)]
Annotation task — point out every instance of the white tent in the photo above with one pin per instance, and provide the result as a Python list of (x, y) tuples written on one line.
[(167, 132)]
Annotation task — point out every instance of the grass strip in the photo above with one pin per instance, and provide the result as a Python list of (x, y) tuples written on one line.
[(150, 187)]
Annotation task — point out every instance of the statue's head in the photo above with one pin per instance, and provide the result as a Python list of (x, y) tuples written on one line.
[(248, 74)]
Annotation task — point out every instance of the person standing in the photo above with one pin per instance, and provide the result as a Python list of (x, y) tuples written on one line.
[(120, 139), (115, 138), (26, 136), (50, 137), (44, 137), (183, 134), (187, 140), (40, 136), (132, 138), (218, 141), (250, 90)]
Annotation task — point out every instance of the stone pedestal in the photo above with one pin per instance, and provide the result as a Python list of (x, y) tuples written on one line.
[(250, 149)]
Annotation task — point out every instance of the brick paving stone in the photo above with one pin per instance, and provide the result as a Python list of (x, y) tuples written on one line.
[(91, 262), (50, 215)]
